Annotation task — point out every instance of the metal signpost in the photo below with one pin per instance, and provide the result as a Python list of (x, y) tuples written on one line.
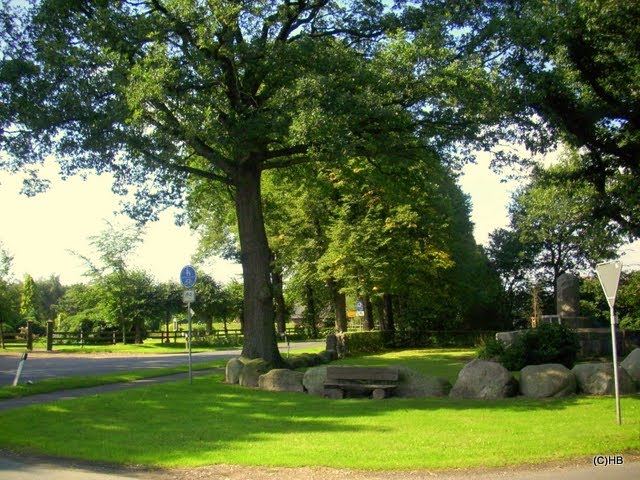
[(188, 279), (23, 359), (609, 276)]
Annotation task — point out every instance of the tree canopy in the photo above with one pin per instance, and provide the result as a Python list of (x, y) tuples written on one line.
[(159, 91), (573, 70)]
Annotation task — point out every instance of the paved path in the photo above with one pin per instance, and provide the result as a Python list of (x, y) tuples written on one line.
[(11, 403), (40, 364)]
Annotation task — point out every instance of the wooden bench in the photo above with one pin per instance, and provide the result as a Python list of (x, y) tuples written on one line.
[(379, 381)]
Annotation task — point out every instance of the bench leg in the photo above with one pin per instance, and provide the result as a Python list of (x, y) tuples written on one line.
[(379, 394), (335, 393)]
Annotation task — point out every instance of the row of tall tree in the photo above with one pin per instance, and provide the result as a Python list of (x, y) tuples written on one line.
[(554, 229), (115, 298), (170, 94), (397, 236)]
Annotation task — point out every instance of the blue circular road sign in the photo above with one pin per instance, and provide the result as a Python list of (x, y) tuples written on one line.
[(188, 276)]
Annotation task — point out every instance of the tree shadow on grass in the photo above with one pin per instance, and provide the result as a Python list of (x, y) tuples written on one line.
[(209, 422)]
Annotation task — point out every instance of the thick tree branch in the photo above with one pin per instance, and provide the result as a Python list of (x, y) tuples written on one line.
[(199, 146), (184, 168)]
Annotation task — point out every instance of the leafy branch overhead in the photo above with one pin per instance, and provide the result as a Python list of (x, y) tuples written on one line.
[(204, 89)]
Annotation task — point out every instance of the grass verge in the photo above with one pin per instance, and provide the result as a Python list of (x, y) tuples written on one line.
[(209, 422), (67, 383)]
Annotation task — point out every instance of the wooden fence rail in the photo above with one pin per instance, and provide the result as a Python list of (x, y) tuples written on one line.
[(25, 339), (232, 336)]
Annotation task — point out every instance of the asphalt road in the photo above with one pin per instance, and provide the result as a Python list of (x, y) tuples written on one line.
[(42, 365)]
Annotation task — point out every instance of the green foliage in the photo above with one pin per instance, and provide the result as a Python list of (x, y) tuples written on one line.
[(549, 343), (358, 343), (593, 303), (491, 349), (553, 230), (9, 293), (28, 301), (174, 97), (554, 217), (628, 301), (571, 70)]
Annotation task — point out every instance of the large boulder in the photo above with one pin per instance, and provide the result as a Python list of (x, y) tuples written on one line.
[(416, 385), (509, 338), (484, 380), (598, 379), (632, 365), (550, 380), (313, 380), (252, 370), (281, 380), (232, 370), (304, 360), (328, 356)]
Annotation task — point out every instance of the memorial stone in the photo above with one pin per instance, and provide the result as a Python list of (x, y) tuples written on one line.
[(568, 299)]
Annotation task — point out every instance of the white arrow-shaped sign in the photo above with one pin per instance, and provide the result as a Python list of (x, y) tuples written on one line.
[(609, 276)]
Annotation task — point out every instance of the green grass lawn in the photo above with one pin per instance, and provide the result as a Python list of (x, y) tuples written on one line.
[(440, 362), (209, 422)]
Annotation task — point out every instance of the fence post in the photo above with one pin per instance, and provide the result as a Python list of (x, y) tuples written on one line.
[(29, 335), (49, 335)]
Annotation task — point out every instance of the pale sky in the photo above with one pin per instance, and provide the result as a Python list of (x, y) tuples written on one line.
[(40, 231)]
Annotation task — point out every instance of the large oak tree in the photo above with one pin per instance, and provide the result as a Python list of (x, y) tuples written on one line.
[(160, 91)]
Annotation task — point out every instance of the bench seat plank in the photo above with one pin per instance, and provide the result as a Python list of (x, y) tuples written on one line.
[(341, 379), (362, 373)]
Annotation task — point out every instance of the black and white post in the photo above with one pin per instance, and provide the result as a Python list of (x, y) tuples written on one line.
[(609, 276), (188, 279)]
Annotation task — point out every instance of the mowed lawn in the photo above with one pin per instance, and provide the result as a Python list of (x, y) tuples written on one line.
[(209, 422)]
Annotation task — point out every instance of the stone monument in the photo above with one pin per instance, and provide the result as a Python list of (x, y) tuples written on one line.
[(568, 298)]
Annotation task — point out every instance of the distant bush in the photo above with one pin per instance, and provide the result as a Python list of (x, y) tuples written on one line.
[(490, 349), (365, 342), (549, 343), (631, 322)]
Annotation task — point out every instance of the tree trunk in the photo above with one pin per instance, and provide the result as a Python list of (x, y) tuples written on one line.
[(258, 326), (310, 313), (339, 306), (167, 319), (280, 305), (368, 313), (138, 333), (389, 321)]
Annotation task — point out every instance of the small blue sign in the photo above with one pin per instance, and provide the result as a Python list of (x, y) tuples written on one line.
[(188, 276), (359, 306)]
